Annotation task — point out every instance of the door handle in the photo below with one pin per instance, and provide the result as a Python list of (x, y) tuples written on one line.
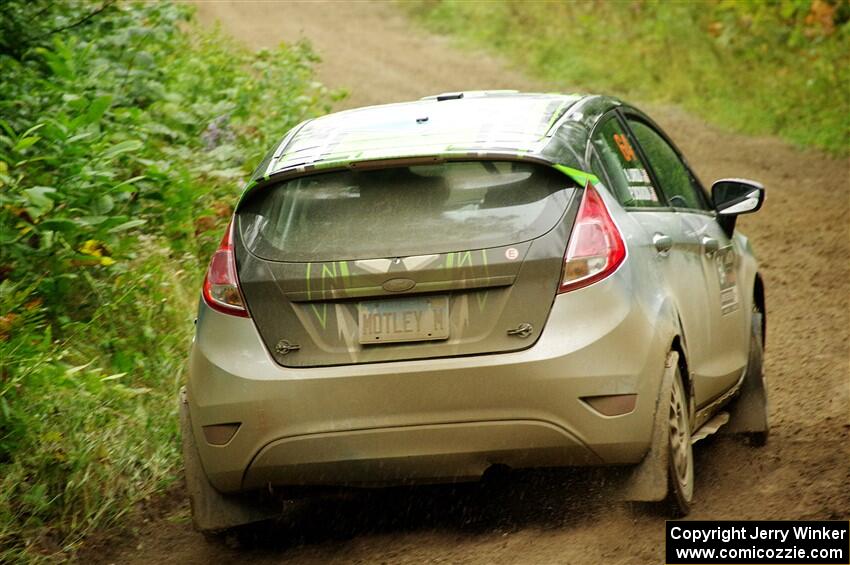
[(709, 245), (663, 243)]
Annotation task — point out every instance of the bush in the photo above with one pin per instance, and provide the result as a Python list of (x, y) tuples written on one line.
[(125, 133), (778, 67)]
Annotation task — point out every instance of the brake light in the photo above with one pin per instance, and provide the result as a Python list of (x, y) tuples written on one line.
[(596, 247), (221, 285)]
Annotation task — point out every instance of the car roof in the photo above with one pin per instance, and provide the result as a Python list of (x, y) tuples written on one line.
[(477, 124)]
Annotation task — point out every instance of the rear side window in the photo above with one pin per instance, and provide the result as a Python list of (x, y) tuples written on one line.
[(623, 168), (678, 185), (403, 211)]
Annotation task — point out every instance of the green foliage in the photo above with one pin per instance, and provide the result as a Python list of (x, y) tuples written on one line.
[(778, 67), (125, 134)]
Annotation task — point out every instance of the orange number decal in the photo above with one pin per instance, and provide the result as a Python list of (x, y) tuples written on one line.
[(624, 146)]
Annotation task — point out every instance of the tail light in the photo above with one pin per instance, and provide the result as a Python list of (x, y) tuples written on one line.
[(221, 285), (596, 247)]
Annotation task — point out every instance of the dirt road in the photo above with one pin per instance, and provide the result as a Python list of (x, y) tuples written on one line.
[(802, 237)]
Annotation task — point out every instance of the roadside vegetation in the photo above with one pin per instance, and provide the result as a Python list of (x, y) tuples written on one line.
[(780, 67), (125, 135)]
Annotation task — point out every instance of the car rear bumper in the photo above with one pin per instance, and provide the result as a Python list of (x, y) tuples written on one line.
[(411, 454), (429, 420)]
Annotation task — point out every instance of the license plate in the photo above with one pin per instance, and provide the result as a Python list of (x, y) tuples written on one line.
[(403, 319)]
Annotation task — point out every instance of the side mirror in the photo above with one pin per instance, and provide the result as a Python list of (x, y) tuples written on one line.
[(732, 197), (737, 196)]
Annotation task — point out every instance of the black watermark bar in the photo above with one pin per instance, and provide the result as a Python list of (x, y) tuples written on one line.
[(760, 543)]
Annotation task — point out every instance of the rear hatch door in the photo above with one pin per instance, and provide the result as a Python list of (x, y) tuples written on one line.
[(410, 262)]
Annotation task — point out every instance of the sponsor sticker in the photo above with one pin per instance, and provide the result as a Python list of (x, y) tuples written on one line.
[(511, 253), (637, 176), (641, 192), (634, 176)]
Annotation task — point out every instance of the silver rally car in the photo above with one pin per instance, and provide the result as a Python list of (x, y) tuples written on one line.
[(413, 293)]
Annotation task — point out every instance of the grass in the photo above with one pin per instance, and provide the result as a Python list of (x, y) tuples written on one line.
[(99, 431), (779, 68)]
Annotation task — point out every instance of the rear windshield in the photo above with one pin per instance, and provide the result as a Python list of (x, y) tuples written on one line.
[(403, 211)]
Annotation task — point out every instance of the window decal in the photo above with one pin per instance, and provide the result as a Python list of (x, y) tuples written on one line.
[(625, 147), (643, 192), (640, 187), (638, 176)]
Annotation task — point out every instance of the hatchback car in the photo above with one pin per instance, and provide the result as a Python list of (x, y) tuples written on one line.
[(416, 292)]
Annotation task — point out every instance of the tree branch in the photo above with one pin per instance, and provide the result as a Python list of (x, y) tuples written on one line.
[(106, 5)]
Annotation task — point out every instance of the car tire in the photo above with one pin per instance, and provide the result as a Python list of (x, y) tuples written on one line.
[(657, 479), (755, 373), (680, 458)]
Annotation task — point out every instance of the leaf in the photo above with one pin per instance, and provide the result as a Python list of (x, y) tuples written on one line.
[(92, 220), (97, 108), (58, 225), (45, 242), (26, 142), (127, 225), (78, 368), (7, 128), (114, 377), (126, 186), (33, 129), (105, 204), (37, 195), (34, 212), (23, 162), (79, 136), (123, 147), (79, 105)]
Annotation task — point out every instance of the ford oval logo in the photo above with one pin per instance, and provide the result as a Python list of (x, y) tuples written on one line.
[(398, 285)]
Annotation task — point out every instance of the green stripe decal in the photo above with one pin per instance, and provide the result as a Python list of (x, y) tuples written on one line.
[(556, 116), (580, 177)]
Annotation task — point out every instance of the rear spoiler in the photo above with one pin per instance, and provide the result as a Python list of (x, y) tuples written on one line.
[(579, 176)]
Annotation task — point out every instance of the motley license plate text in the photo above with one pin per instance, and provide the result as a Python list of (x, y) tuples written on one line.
[(762, 543), (403, 319)]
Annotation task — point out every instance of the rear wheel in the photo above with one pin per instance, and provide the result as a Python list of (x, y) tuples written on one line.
[(665, 476), (680, 454)]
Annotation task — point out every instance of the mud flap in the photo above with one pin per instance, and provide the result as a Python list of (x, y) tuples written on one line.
[(749, 412), (213, 511), (647, 481)]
